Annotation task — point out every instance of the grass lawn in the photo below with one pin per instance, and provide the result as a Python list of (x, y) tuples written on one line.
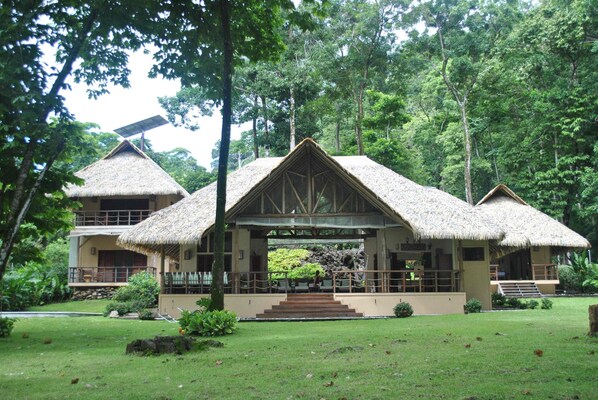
[(481, 356), (92, 306)]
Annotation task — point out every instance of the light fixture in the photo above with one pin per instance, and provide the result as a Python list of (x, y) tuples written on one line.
[(241, 254), (93, 251), (187, 254)]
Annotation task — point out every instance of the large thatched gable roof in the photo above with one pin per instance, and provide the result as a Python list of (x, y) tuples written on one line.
[(524, 226), (429, 213), (125, 171)]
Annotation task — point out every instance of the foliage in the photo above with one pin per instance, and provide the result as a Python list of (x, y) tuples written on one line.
[(472, 306), (403, 310), (40, 282), (498, 299), (290, 263), (546, 304), (208, 323), (6, 326), (146, 315), (88, 40), (533, 304), (121, 307), (142, 289), (581, 276)]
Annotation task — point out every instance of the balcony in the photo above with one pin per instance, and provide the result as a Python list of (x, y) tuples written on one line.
[(539, 272), (93, 276), (110, 217)]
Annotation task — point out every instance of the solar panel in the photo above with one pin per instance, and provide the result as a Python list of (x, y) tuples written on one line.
[(141, 126)]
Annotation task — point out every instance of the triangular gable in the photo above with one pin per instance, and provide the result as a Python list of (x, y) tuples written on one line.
[(503, 190), (310, 183)]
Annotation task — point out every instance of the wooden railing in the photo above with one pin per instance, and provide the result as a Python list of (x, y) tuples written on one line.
[(106, 274), (540, 272), (111, 217), (365, 281)]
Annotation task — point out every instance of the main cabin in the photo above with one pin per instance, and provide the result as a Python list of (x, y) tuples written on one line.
[(119, 191), (422, 245)]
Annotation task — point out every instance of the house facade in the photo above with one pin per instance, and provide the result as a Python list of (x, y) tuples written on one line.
[(422, 245), (119, 191), (522, 262)]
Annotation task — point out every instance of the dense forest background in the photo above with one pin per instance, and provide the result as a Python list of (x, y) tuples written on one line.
[(444, 93), (456, 94)]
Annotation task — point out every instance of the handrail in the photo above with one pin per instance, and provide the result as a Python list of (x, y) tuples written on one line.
[(347, 281), (110, 217), (106, 274)]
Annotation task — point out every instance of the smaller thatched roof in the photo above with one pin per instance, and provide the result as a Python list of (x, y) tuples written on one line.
[(524, 226), (125, 171)]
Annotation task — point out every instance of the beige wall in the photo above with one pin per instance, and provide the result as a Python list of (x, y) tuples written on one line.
[(86, 259), (382, 304), (371, 305), (189, 265), (244, 305), (540, 255), (476, 275)]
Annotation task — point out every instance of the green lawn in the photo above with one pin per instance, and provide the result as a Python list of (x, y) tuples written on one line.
[(92, 306), (481, 356)]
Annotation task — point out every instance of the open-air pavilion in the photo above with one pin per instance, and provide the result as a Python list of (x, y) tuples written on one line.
[(422, 245)]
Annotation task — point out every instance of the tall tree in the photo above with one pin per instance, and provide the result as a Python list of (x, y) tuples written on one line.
[(90, 40), (462, 34), (200, 45)]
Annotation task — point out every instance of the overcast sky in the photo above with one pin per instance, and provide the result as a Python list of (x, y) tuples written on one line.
[(124, 106)]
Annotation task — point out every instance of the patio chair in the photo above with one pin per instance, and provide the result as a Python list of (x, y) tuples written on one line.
[(343, 285), (283, 286), (326, 285), (302, 287)]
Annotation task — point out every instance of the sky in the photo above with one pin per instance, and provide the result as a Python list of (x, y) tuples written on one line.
[(124, 106)]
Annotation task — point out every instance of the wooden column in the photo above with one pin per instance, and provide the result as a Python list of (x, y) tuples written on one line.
[(460, 260), (162, 266)]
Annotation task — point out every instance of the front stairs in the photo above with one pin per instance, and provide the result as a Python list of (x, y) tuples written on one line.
[(519, 289), (309, 306)]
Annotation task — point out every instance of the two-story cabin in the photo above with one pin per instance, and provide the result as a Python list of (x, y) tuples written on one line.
[(119, 191)]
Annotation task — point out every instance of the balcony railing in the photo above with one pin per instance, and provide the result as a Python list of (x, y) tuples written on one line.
[(111, 217), (540, 272), (106, 274), (365, 281)]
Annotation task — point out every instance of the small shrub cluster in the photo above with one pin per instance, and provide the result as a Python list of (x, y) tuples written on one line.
[(472, 306), (499, 300), (581, 276), (6, 326), (403, 310), (291, 263), (141, 294), (207, 323)]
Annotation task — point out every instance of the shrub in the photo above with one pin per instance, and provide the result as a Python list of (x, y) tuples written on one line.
[(546, 304), (403, 310), (473, 306), (6, 326), (146, 315), (532, 304), (515, 303), (208, 323), (498, 299), (121, 307), (570, 281), (291, 263), (143, 289)]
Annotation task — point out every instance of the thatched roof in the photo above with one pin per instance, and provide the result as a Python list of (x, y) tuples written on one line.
[(429, 213), (524, 226), (125, 171)]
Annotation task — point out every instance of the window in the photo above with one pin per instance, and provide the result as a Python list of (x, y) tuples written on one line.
[(473, 254), (205, 250)]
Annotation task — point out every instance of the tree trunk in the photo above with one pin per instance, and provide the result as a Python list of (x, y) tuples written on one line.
[(292, 117), (338, 136), (593, 311), (358, 121), (217, 287), (468, 194), (256, 149), (266, 132)]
